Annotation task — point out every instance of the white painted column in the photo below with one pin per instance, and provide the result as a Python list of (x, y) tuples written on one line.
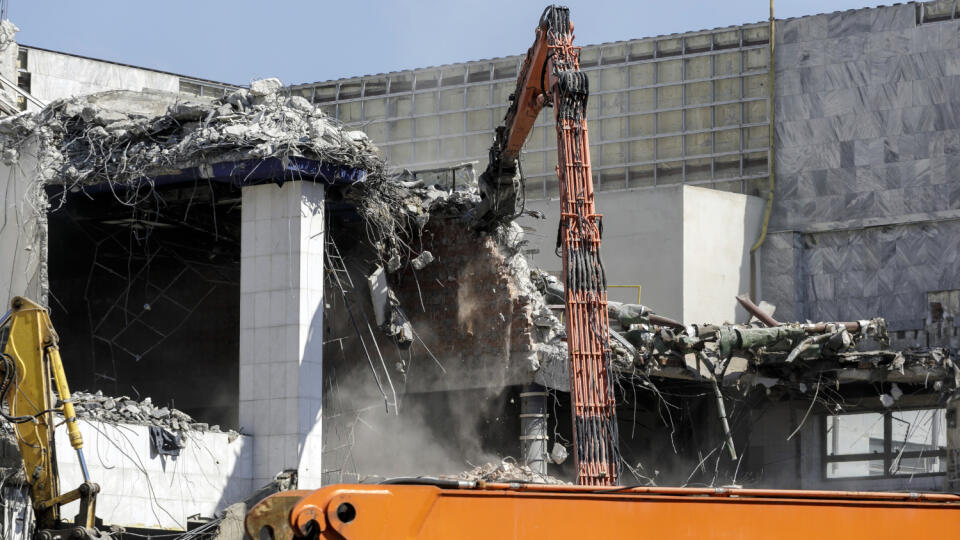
[(281, 328)]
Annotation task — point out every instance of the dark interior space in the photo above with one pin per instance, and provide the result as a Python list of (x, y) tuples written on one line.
[(368, 379), (671, 435), (145, 294)]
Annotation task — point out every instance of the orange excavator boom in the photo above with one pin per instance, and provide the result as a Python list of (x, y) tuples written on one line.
[(551, 76), (466, 510)]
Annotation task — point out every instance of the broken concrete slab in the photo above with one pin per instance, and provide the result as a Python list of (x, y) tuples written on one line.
[(421, 260), (265, 87)]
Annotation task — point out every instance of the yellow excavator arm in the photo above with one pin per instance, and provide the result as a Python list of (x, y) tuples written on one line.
[(30, 360)]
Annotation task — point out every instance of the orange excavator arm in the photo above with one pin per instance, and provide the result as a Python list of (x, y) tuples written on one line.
[(551, 76), (467, 510)]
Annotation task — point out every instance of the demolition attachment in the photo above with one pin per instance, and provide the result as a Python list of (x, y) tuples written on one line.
[(551, 76)]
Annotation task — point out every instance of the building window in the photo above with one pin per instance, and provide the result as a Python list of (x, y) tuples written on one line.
[(23, 77), (23, 83), (196, 88), (885, 444)]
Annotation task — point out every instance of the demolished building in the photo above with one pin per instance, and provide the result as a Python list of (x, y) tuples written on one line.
[(162, 232), (212, 253), (253, 263)]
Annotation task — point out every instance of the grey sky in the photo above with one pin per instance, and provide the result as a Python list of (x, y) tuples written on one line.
[(312, 40)]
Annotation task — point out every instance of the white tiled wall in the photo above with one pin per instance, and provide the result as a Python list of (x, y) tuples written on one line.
[(281, 327), (141, 489)]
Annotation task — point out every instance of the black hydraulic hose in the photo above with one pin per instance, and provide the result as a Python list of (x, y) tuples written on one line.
[(442, 483), (9, 372)]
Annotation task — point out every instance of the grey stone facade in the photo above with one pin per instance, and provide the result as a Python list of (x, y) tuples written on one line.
[(867, 157)]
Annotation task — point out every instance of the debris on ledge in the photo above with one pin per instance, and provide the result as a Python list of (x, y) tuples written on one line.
[(124, 410)]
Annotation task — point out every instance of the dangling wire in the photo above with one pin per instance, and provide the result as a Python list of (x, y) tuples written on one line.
[(9, 374)]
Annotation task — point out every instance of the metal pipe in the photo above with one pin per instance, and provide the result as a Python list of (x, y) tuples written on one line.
[(722, 414), (755, 310), (815, 328), (83, 465), (26, 95), (770, 135), (533, 427), (771, 162)]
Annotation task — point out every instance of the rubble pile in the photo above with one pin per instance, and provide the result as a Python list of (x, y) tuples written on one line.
[(122, 137), (745, 355), (124, 410), (125, 139), (507, 471)]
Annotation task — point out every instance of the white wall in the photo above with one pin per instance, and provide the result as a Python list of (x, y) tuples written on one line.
[(642, 244), (689, 248), (141, 489), (718, 230), (23, 231), (54, 76)]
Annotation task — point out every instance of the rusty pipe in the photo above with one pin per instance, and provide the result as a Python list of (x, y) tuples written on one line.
[(812, 328), (755, 310)]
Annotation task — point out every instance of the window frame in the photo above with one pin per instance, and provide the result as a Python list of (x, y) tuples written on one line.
[(887, 456)]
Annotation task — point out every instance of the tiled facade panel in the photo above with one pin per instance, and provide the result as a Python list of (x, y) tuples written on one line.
[(868, 166), (863, 273)]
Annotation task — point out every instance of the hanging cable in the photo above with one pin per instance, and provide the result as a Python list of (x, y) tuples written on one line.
[(9, 374)]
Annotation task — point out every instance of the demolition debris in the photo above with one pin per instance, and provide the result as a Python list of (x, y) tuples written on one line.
[(507, 471), (124, 410)]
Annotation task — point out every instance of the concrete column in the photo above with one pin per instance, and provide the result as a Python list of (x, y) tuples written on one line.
[(533, 427), (281, 328)]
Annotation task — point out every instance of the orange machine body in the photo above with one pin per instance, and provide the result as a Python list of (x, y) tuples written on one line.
[(360, 512)]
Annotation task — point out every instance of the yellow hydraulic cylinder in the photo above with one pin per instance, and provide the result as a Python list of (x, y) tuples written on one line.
[(69, 414), (32, 346)]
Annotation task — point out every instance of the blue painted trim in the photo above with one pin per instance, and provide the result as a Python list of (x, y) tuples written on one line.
[(251, 172)]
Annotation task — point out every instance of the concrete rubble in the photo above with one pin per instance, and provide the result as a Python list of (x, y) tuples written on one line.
[(8, 34), (124, 410), (744, 355), (748, 355), (121, 137), (507, 471)]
